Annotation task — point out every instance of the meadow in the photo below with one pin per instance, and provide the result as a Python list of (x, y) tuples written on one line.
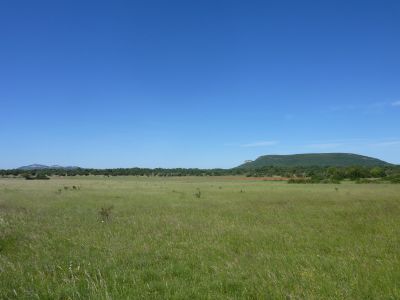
[(197, 238)]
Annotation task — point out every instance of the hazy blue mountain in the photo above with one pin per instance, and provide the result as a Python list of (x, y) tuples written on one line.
[(41, 167)]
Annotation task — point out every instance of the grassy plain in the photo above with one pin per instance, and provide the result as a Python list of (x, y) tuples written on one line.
[(238, 239)]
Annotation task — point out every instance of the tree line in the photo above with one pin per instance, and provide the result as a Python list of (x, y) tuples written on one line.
[(317, 173)]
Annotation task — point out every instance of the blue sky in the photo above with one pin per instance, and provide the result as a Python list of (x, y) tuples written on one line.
[(196, 83)]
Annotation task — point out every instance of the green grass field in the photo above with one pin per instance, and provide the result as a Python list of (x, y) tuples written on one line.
[(236, 239)]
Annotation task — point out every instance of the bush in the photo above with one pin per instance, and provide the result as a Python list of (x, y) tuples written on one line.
[(198, 193), (314, 179), (37, 177), (393, 178), (299, 180), (105, 213), (377, 172), (335, 181), (367, 180), (357, 172), (42, 177)]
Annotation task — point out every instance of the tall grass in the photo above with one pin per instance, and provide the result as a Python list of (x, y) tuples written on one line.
[(273, 241)]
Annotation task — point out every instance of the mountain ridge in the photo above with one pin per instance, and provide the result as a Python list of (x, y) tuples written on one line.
[(291, 160), (314, 159), (42, 167)]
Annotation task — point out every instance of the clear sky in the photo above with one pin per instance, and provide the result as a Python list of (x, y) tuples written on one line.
[(196, 83)]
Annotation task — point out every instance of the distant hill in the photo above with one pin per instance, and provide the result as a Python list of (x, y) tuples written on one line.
[(41, 167), (314, 159)]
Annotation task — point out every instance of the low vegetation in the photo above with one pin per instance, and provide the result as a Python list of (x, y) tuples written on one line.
[(35, 176), (152, 237)]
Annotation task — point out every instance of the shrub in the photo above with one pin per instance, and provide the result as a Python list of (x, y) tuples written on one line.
[(335, 181), (41, 177), (299, 180), (377, 172), (37, 177), (366, 180), (198, 193), (314, 179), (27, 176), (393, 178), (105, 213)]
